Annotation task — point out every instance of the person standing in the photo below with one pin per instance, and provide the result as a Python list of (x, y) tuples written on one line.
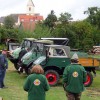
[(36, 84), (74, 77), (3, 67)]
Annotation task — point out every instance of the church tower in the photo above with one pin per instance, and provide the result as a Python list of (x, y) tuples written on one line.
[(30, 8)]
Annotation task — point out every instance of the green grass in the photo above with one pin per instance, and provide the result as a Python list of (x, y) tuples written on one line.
[(15, 91)]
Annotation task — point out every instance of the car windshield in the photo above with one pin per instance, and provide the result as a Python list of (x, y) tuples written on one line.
[(26, 43), (38, 47), (45, 49)]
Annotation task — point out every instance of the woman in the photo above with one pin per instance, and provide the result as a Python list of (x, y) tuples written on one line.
[(36, 84)]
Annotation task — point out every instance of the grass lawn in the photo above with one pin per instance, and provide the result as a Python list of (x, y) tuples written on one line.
[(15, 91)]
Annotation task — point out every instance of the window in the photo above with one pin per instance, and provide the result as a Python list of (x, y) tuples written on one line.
[(29, 8), (58, 52), (40, 46)]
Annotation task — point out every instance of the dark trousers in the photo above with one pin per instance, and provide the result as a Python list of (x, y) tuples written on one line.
[(2, 76), (73, 96)]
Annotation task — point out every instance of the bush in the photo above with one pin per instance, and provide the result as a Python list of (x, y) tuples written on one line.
[(2, 46)]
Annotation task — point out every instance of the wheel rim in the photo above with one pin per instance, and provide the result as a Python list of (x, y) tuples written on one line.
[(87, 80), (51, 77)]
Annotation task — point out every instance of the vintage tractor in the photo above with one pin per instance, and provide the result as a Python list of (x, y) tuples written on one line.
[(37, 49), (15, 55), (28, 59), (56, 57)]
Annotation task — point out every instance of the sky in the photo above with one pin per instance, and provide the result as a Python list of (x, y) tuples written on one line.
[(75, 7)]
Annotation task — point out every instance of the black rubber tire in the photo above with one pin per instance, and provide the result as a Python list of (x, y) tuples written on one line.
[(16, 66), (27, 71), (52, 77), (89, 79), (28, 68)]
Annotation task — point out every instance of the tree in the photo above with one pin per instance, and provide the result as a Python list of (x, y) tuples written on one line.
[(9, 22), (93, 16), (83, 34), (50, 20), (65, 17), (41, 31), (96, 36)]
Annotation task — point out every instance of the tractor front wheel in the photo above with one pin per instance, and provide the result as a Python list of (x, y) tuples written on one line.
[(52, 77), (16, 66)]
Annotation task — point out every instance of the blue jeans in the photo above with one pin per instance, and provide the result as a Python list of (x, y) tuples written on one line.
[(2, 76)]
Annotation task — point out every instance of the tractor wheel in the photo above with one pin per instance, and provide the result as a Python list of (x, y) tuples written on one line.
[(16, 66), (27, 71), (52, 77), (89, 79)]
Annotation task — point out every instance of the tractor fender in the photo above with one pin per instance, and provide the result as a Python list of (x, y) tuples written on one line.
[(55, 68), (30, 63)]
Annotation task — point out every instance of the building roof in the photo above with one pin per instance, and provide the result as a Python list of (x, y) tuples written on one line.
[(28, 21), (29, 18), (14, 16)]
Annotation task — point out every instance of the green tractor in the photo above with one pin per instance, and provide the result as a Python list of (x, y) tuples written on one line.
[(37, 49), (15, 55), (28, 59), (55, 58)]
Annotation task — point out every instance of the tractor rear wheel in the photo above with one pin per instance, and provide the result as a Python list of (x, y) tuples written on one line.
[(89, 79), (52, 77)]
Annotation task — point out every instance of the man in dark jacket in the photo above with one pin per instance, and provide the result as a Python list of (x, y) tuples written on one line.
[(74, 77), (3, 67)]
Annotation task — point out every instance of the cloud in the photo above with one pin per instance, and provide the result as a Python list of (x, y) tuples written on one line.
[(75, 7), (44, 7)]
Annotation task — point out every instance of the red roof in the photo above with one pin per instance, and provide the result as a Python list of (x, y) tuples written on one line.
[(24, 18), (28, 21)]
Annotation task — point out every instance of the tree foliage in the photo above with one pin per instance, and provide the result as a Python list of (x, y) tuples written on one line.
[(9, 22), (82, 34), (93, 16), (50, 20), (65, 17), (41, 31)]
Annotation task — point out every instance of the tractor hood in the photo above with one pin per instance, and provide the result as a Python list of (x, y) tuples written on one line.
[(40, 60), (27, 57), (15, 53)]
